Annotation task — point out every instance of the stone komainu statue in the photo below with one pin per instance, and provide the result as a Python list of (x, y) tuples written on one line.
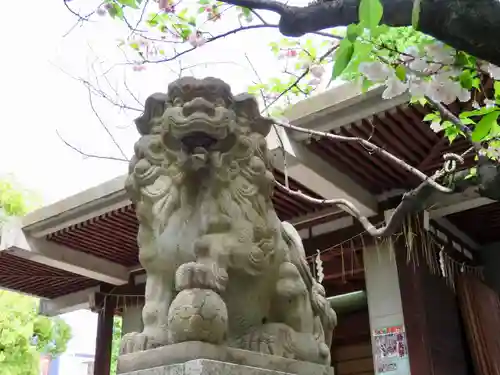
[(221, 267)]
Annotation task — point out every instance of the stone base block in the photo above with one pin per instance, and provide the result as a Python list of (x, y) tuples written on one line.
[(209, 367), (198, 358)]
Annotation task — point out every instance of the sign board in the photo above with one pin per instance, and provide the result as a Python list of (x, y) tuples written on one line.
[(390, 351)]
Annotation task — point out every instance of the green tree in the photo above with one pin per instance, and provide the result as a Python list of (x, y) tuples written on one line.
[(441, 52), (115, 348), (24, 334)]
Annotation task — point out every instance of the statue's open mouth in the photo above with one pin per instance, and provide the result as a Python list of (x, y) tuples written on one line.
[(197, 139)]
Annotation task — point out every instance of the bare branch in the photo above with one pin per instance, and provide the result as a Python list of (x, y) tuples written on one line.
[(87, 155), (374, 149), (111, 136), (213, 39)]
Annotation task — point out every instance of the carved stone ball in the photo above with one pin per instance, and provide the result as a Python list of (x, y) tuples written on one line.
[(198, 315)]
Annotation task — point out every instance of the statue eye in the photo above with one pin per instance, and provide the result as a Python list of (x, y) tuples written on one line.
[(178, 102)]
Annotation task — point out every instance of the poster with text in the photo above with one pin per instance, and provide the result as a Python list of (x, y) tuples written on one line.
[(391, 353)]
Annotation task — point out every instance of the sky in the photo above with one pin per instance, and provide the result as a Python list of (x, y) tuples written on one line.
[(42, 99)]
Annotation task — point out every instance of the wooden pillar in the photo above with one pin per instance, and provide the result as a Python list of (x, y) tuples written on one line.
[(104, 337), (431, 314), (387, 321)]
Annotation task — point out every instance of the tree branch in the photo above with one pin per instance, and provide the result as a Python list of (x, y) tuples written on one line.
[(468, 25), (87, 155)]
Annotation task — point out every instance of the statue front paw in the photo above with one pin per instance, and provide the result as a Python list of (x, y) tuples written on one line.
[(196, 275), (133, 342), (136, 342)]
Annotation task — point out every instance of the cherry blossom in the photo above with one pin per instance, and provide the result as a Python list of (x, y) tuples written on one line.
[(418, 65), (439, 52), (314, 82), (418, 87), (395, 87), (493, 152), (410, 54), (494, 71), (317, 71), (446, 90), (139, 67), (196, 39), (375, 71), (436, 127), (489, 103)]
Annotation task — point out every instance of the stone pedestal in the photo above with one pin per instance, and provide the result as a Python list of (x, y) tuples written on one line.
[(197, 358)]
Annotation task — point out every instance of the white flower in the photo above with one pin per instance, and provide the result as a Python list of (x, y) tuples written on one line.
[(463, 95), (493, 152), (419, 65), (494, 71), (394, 87), (489, 103), (101, 11), (315, 82), (445, 74), (418, 88), (438, 52), (317, 71), (375, 71), (138, 67), (410, 53), (436, 127), (445, 91), (196, 39)]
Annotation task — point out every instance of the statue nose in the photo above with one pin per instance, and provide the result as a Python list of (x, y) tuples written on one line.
[(198, 105)]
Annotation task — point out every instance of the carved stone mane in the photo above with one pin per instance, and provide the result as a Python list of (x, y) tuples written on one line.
[(221, 267)]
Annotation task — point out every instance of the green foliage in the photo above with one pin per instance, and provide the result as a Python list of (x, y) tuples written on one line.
[(12, 200), (485, 126), (410, 58), (343, 57), (24, 334), (370, 13), (115, 348)]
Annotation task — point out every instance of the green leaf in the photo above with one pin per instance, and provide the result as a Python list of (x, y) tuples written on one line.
[(483, 127), (342, 57), (472, 173), (129, 3), (401, 72), (432, 117), (496, 86), (478, 112), (353, 31), (370, 13), (466, 79), (366, 84), (116, 11), (415, 14)]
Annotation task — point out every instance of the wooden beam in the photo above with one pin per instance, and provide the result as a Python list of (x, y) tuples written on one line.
[(22, 244)]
